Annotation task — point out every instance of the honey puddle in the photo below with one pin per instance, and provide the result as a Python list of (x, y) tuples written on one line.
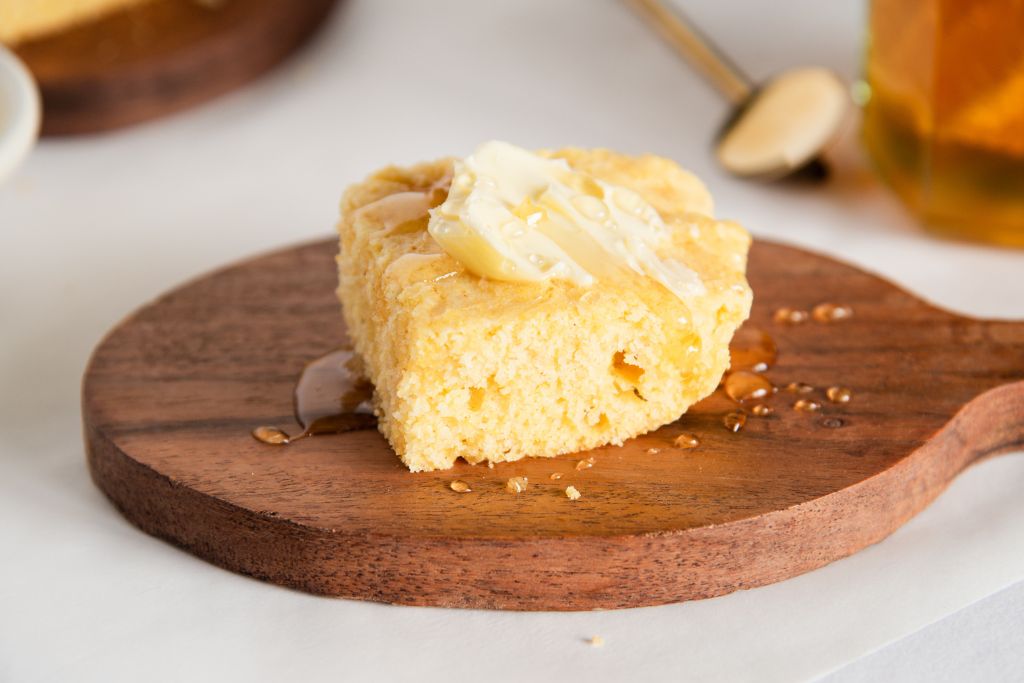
[(331, 397)]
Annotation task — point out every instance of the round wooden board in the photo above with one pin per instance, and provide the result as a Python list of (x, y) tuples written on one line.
[(160, 57), (171, 395)]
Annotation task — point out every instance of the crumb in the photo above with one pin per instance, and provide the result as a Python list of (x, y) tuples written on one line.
[(556, 476), (572, 493), (586, 463), (516, 484), (596, 641)]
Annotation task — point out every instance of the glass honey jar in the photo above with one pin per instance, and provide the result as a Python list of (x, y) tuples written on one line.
[(944, 120)]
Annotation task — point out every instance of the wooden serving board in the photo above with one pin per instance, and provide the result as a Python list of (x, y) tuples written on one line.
[(160, 57), (171, 395)]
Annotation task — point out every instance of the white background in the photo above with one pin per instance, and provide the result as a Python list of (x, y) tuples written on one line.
[(91, 228)]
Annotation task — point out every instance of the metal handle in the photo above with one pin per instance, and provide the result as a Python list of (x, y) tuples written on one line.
[(682, 35)]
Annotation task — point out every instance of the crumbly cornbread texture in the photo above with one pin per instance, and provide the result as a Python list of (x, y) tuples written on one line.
[(22, 20), (486, 370)]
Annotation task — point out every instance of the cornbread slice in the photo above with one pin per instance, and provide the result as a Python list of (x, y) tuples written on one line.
[(25, 19), (486, 370)]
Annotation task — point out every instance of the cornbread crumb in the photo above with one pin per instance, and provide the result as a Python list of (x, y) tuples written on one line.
[(485, 370), (572, 493), (516, 484), (459, 486), (596, 641), (653, 451), (556, 475), (586, 463)]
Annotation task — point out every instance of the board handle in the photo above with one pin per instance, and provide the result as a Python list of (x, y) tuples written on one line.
[(1005, 350), (993, 423)]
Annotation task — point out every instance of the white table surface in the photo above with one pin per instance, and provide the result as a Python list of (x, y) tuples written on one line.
[(91, 228)]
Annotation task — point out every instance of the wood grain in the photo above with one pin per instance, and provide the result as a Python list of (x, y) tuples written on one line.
[(171, 394), (161, 57)]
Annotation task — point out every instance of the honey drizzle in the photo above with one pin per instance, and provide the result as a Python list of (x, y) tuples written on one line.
[(331, 397)]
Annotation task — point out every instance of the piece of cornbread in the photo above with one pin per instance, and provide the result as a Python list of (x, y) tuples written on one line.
[(486, 370), (22, 20)]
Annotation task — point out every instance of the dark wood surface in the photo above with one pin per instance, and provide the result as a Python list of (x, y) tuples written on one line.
[(171, 395), (161, 57)]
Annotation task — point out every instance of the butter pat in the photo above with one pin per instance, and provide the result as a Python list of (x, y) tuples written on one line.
[(515, 216)]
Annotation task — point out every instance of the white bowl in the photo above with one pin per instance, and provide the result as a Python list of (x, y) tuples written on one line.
[(19, 112)]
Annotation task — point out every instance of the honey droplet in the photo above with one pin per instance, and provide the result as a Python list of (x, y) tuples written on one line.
[(555, 476), (751, 349), (686, 440), (516, 484), (790, 316), (585, 464), (830, 313), (459, 486), (734, 421), (572, 493), (799, 388), (761, 410), (271, 435), (744, 385), (832, 422), (807, 406), (839, 394)]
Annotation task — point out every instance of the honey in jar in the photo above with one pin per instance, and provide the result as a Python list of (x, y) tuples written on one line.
[(944, 122)]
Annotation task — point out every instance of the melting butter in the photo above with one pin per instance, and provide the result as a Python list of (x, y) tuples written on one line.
[(513, 215)]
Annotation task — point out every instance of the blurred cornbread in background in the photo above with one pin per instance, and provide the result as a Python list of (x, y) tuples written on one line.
[(105, 64), (22, 20)]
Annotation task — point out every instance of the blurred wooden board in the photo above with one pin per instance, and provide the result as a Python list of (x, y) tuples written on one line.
[(171, 395), (161, 57)]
